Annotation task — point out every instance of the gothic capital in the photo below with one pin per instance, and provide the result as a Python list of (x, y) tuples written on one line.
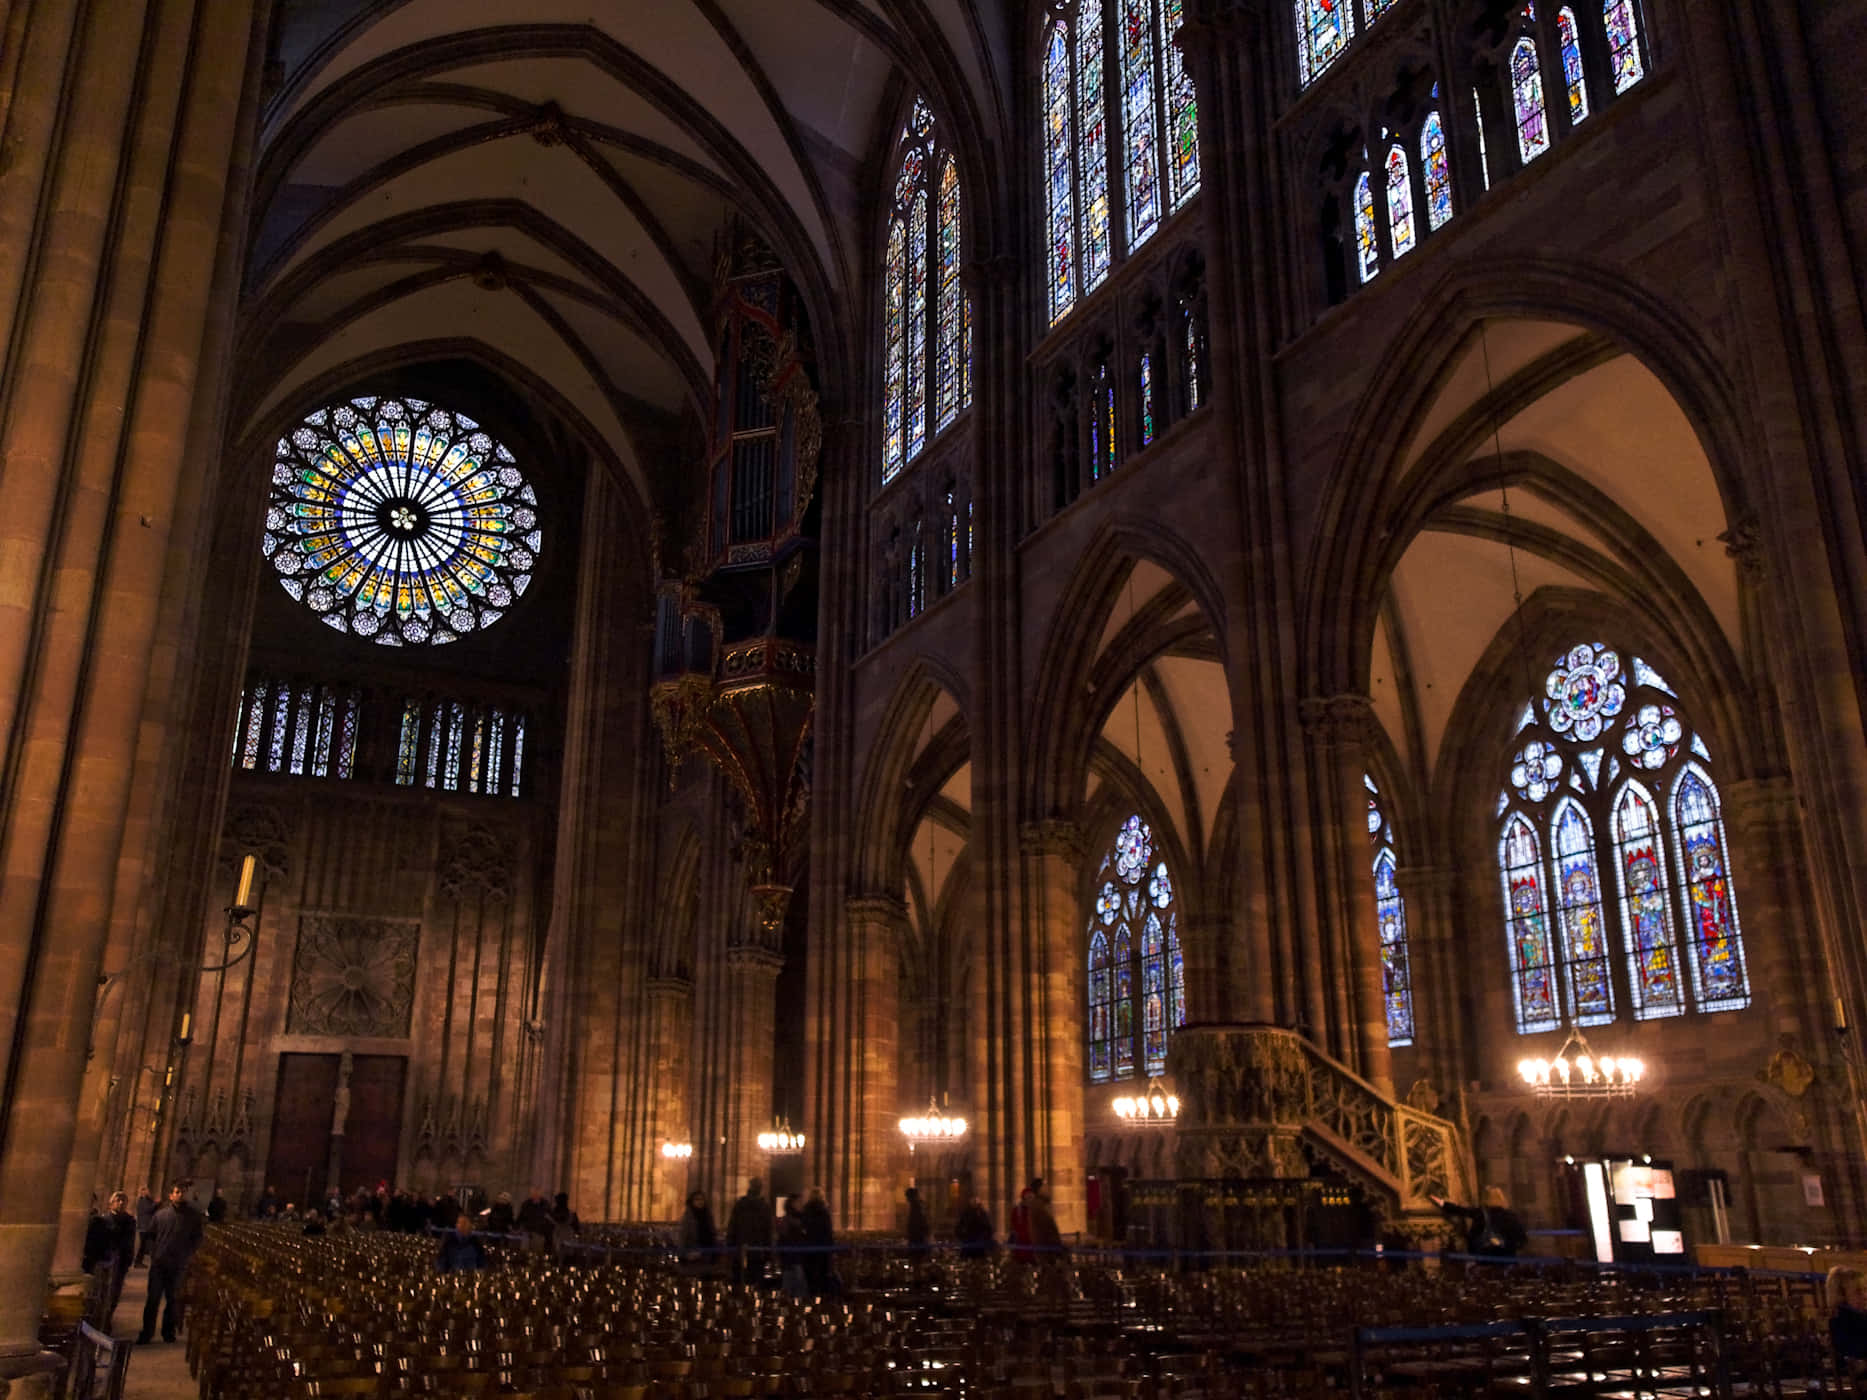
[(1052, 837), (750, 957), (669, 989), (876, 911), (1336, 719)]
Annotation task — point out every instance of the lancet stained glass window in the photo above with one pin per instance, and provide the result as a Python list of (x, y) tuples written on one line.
[(1390, 916), (1324, 28), (1136, 968), (1367, 241), (1182, 110), (1399, 202), (1608, 774), (1437, 169), (1571, 45), (297, 728), (400, 521), (1526, 86), (926, 323), (1092, 145), (1623, 43), (1059, 181), (1137, 103)]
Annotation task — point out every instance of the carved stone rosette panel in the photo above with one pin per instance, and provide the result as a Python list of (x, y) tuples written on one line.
[(353, 976)]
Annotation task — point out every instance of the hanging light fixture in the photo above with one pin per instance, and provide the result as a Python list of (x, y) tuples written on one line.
[(932, 1127), (677, 1151), (1577, 1072), (1157, 1107), (780, 1141)]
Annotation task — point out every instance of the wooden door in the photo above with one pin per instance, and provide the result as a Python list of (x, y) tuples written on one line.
[(301, 1127), (373, 1130)]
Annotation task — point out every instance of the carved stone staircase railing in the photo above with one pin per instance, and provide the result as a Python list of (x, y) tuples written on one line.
[(1260, 1102)]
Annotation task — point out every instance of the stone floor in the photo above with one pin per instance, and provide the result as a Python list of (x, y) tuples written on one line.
[(158, 1371)]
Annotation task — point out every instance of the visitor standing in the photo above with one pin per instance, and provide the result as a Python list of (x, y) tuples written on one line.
[(109, 1250), (174, 1237), (973, 1230), (460, 1253), (750, 1230), (698, 1238), (792, 1242), (819, 1244)]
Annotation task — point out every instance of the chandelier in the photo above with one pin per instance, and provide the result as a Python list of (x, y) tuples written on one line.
[(780, 1141), (1578, 1073), (677, 1151), (932, 1127), (1155, 1108)]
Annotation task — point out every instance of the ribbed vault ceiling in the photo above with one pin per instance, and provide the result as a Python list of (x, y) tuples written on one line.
[(552, 180)]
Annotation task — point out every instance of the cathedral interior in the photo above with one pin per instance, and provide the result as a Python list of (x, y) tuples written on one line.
[(1259, 595)]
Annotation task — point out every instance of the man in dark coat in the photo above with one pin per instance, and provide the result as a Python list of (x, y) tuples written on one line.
[(174, 1238), (819, 1240), (535, 1222), (750, 1231), (973, 1230), (109, 1250)]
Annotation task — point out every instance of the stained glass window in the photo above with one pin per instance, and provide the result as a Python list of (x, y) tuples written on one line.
[(1324, 28), (1526, 85), (1623, 43), (1608, 736), (1572, 65), (1147, 399), (1182, 111), (894, 329), (399, 521), (1137, 101), (1134, 956), (1059, 189), (1646, 915), (947, 374), (1093, 145), (1484, 155), (408, 747), (1399, 202), (300, 729), (1390, 915), (1718, 976), (917, 325), (926, 318), (1101, 424), (1189, 325), (1437, 169), (1532, 955), (1367, 241)]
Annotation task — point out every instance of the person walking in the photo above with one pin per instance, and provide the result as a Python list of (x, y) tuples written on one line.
[(145, 1222), (174, 1237), (973, 1230), (820, 1243), (109, 1250), (750, 1231)]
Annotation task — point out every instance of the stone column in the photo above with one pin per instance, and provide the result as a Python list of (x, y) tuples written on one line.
[(1437, 966), (670, 1036), (126, 178), (866, 1156), (1052, 1047), (751, 1016), (1336, 728)]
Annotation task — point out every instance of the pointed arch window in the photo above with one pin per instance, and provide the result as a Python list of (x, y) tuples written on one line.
[(1390, 916), (1623, 26), (1437, 169), (1571, 45), (1607, 775), (1136, 969), (926, 322), (1111, 73), (1324, 28), (1399, 202), (1526, 87), (1367, 241)]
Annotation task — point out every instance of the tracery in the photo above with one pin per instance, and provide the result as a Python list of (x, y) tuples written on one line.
[(1136, 968)]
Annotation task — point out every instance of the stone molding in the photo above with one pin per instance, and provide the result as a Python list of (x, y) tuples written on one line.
[(884, 910), (1334, 720), (353, 976), (749, 957), (669, 989)]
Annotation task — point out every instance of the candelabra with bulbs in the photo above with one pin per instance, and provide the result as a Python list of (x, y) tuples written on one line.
[(780, 1141), (1156, 1107), (932, 1127), (1576, 1072), (677, 1151)]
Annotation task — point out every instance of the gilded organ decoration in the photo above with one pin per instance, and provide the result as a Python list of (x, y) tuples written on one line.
[(353, 976)]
